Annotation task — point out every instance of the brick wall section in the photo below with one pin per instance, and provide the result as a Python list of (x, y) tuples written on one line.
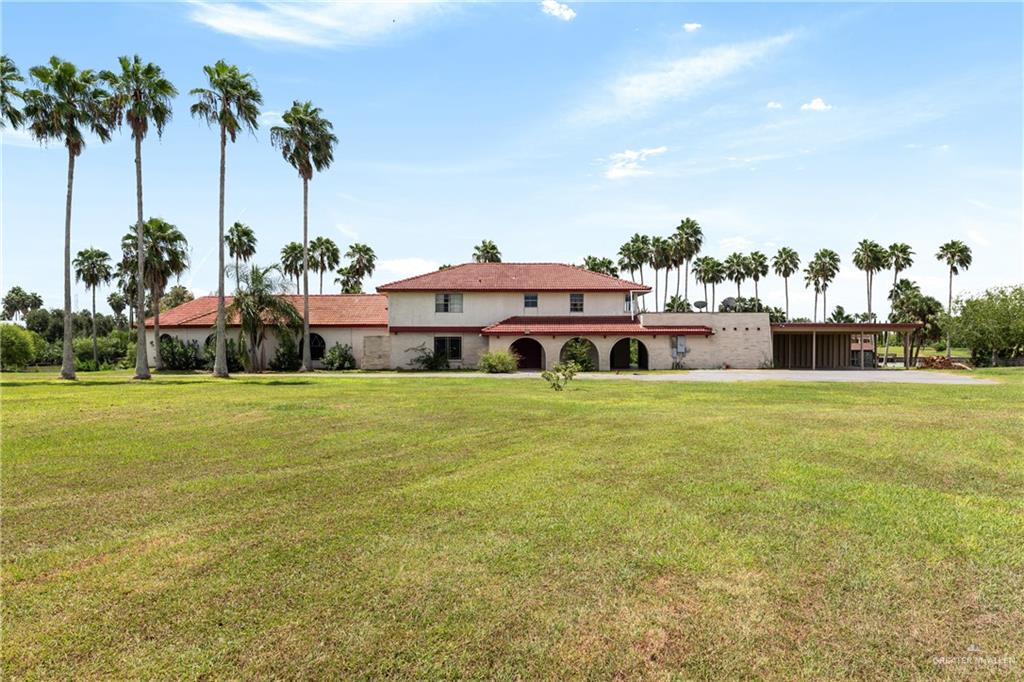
[(741, 340), (376, 353)]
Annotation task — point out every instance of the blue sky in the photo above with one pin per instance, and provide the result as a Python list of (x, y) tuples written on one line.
[(557, 130)]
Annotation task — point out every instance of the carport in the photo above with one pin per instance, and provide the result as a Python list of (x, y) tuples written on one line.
[(828, 345)]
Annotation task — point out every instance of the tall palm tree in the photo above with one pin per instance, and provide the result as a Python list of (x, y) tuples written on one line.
[(65, 104), (232, 102), (117, 304), (716, 275), (757, 264), (307, 143), (812, 277), (241, 243), (363, 261), (661, 259), (785, 264), (486, 252), (701, 273), (291, 263), (736, 269), (870, 257), (142, 97), (957, 256), (349, 281), (828, 268), (605, 266), (92, 266), (641, 245), (9, 75), (258, 304), (325, 257), (690, 239), (629, 258), (901, 257), (165, 252), (127, 276)]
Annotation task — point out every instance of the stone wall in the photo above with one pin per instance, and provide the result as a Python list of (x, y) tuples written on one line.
[(740, 340)]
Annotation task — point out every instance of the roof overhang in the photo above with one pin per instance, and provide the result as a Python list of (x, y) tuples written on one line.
[(842, 327)]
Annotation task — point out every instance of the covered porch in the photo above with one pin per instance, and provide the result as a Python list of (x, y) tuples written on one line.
[(827, 345)]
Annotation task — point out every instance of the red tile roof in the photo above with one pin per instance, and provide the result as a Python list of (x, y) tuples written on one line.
[(328, 310), (563, 325), (513, 277)]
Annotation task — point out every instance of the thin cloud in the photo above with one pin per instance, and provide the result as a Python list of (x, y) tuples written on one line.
[(773, 105), (816, 104), (692, 26), (629, 163), (324, 25), (637, 94), (558, 10)]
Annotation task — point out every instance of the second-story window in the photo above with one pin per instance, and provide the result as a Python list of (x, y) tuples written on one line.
[(529, 300), (447, 303), (575, 303)]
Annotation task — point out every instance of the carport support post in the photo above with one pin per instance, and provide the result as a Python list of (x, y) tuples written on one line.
[(906, 351), (814, 350), (862, 350)]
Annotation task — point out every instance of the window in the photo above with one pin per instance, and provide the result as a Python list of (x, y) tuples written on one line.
[(529, 300), (627, 306), (450, 346), (447, 303), (575, 303), (317, 346)]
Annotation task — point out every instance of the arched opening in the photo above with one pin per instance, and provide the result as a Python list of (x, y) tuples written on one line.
[(530, 353), (317, 346), (165, 337), (581, 351), (211, 341), (629, 354)]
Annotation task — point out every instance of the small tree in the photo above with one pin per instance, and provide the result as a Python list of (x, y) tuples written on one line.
[(259, 305), (560, 375)]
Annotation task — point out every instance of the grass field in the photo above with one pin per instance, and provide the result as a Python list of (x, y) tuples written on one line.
[(368, 527)]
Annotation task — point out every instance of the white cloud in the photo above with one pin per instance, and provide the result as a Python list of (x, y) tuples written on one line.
[(773, 105), (816, 104), (325, 24), (638, 93), (271, 118), (558, 10), (737, 243), (979, 237), (692, 26), (18, 137), (347, 230), (627, 164)]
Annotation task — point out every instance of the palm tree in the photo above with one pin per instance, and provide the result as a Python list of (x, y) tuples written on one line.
[(661, 259), (486, 252), (349, 281), (757, 264), (117, 304), (362, 259), (839, 315), (231, 102), (291, 262), (241, 242), (605, 266), (870, 257), (690, 239), (92, 266), (812, 277), (641, 246), (127, 276), (307, 143), (785, 264), (142, 97), (258, 304), (701, 274), (901, 257), (716, 275), (828, 268), (9, 75), (736, 269), (66, 104), (957, 256), (165, 252), (325, 256), (631, 256)]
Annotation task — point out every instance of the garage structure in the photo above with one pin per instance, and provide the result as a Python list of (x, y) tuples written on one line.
[(830, 345)]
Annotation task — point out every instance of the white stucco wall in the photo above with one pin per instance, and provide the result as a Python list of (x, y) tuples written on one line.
[(473, 346), (480, 309)]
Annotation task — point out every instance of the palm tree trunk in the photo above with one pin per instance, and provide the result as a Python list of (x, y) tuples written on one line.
[(641, 273), (665, 307), (949, 313), (706, 297), (238, 282), (686, 281), (220, 361), (815, 306), (67, 368), (141, 361), (95, 352), (307, 362), (738, 289), (786, 284), (678, 271), (712, 297), (159, 364), (322, 281), (757, 296), (824, 304), (895, 274), (655, 289)]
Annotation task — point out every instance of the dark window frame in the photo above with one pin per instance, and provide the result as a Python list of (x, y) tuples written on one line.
[(531, 297), (451, 346), (574, 299), (443, 302)]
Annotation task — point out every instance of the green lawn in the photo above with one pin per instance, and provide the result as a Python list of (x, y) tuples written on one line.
[(369, 527)]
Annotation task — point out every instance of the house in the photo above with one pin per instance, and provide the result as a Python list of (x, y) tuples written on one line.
[(536, 310)]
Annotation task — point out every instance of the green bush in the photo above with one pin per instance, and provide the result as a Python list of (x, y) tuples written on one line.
[(427, 359), (232, 350), (499, 362), (577, 351), (16, 351), (339, 357), (286, 357), (561, 375), (111, 349), (181, 355)]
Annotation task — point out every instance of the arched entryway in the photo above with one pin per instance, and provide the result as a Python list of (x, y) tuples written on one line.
[(629, 354), (317, 346), (529, 352), (582, 351)]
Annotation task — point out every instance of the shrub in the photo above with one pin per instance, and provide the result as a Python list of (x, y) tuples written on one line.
[(286, 357), (16, 350), (181, 355), (499, 362), (427, 359), (561, 375), (231, 349), (339, 357), (110, 349), (577, 351)]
